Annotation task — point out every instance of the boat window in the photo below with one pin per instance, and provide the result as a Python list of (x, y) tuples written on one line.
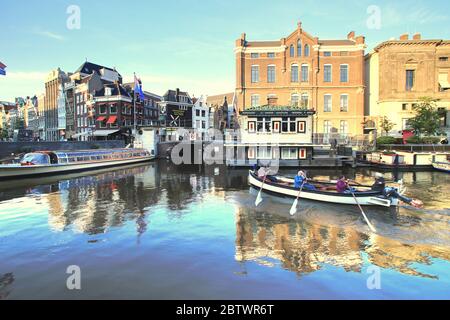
[(62, 160), (36, 158)]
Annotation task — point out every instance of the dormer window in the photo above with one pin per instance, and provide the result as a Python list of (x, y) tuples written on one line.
[(108, 91)]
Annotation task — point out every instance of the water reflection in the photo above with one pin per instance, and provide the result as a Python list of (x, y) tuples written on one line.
[(409, 241)]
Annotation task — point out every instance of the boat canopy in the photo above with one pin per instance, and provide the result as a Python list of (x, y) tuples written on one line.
[(35, 158)]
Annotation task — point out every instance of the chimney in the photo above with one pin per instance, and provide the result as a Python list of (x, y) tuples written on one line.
[(351, 35), (243, 36), (404, 36), (417, 36), (360, 39), (178, 95), (299, 25)]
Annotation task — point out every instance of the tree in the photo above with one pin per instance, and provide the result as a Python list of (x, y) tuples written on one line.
[(427, 118), (386, 125), (4, 134)]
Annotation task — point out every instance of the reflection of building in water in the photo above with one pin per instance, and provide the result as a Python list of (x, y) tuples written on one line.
[(92, 204), (303, 247), (300, 247)]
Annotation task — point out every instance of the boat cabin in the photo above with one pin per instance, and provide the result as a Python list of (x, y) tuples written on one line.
[(82, 156)]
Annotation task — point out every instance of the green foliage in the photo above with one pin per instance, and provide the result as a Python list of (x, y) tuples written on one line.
[(423, 140), (386, 125), (426, 121), (386, 140), (4, 134)]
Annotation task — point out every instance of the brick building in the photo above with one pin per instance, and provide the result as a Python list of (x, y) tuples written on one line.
[(303, 70), (399, 72)]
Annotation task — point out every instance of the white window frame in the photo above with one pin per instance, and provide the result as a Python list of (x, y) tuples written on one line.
[(331, 102), (254, 67), (258, 100), (274, 73), (340, 102), (331, 73), (307, 72), (297, 79), (348, 73)]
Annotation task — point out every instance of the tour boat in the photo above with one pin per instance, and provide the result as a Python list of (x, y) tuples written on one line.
[(57, 162), (324, 193), (442, 166)]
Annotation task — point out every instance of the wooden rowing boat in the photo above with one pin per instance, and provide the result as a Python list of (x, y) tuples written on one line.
[(284, 188)]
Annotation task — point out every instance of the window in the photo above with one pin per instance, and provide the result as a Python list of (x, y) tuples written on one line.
[(197, 124), (263, 125), (289, 153), (255, 100), (327, 103), (410, 79), (288, 124), (299, 48), (306, 50), (343, 128), (103, 124), (255, 74), (251, 126), (264, 153), (294, 100), (102, 109), (271, 55), (404, 106), (305, 73), (344, 102), (305, 100), (203, 113), (405, 124), (113, 109), (344, 73), (327, 54), (443, 59), (203, 124), (254, 55), (327, 73), (326, 127), (291, 51), (344, 53), (271, 73), (301, 126), (197, 113), (294, 73)]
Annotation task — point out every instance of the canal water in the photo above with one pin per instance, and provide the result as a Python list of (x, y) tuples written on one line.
[(158, 231)]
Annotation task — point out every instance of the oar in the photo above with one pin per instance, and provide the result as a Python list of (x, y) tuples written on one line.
[(294, 205), (259, 197), (364, 215)]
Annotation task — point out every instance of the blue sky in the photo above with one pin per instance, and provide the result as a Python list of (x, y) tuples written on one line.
[(185, 44)]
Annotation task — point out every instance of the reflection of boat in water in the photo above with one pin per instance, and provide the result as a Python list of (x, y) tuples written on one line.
[(284, 188), (442, 166), (48, 162)]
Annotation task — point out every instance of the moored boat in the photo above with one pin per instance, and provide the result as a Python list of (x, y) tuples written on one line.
[(57, 162), (325, 193), (442, 166)]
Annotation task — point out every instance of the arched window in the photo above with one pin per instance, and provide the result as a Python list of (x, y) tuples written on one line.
[(291, 51), (294, 73), (306, 50), (299, 48)]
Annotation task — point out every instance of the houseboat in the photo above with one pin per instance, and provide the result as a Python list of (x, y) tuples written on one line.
[(405, 160), (58, 162), (442, 166)]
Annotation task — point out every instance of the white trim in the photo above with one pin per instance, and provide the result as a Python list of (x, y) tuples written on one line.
[(260, 49), (331, 73)]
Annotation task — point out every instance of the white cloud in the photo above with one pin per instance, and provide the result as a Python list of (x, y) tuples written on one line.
[(50, 35), (21, 84)]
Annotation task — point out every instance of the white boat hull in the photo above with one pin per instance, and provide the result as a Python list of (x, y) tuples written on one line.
[(18, 171), (442, 166), (330, 197)]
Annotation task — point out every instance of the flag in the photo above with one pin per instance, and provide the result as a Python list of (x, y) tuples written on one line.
[(2, 69), (138, 87)]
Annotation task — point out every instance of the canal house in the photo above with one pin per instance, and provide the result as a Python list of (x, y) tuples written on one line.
[(271, 132)]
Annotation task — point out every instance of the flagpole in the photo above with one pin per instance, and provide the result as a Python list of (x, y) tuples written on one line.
[(134, 107)]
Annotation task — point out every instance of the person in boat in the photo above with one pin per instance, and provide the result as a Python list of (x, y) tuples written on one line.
[(389, 192), (264, 173), (342, 185), (301, 179)]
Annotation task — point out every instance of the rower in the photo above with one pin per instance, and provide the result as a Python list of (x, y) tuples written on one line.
[(342, 185), (301, 179), (264, 172), (388, 192)]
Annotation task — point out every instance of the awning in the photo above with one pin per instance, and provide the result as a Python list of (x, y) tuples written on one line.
[(103, 133), (443, 80), (112, 119), (101, 118)]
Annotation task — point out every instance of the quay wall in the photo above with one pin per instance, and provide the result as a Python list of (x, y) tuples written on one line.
[(7, 148)]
